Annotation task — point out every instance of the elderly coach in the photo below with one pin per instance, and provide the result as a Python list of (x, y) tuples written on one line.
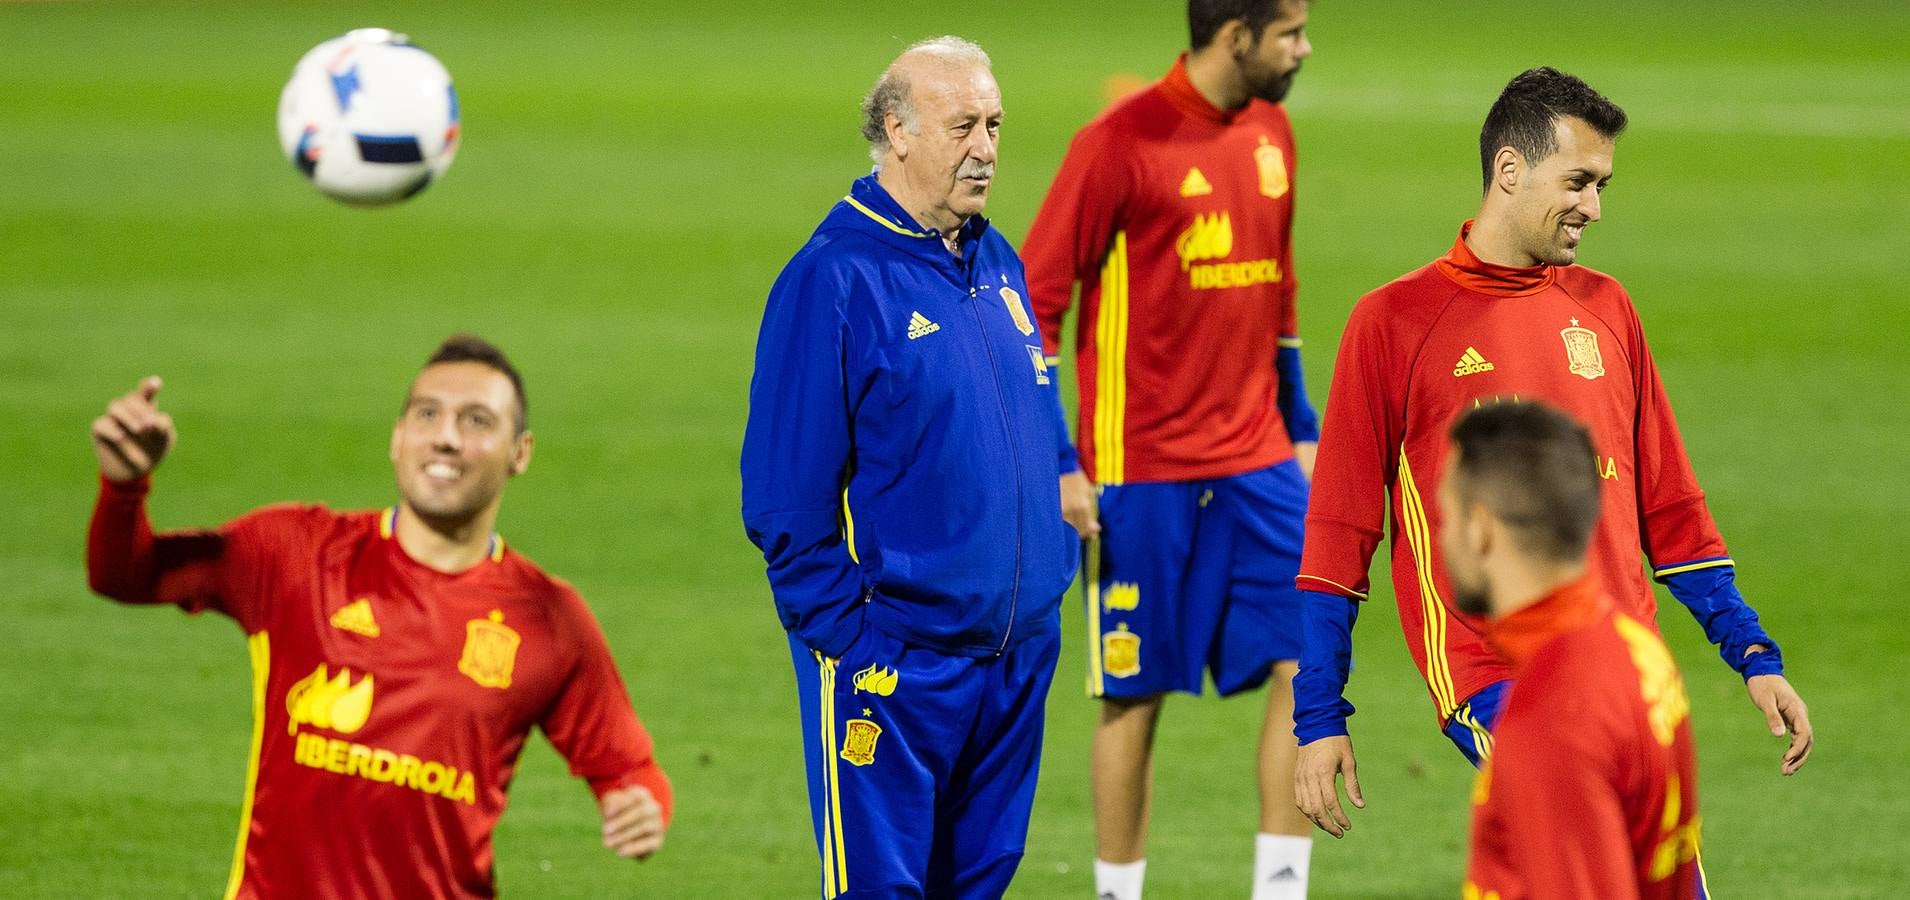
[(901, 475)]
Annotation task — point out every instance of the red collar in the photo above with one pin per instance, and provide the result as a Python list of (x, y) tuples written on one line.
[(1475, 274), (1519, 635), (1180, 91)]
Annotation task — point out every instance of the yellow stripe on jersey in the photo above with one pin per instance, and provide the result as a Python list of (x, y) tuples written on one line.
[(1661, 574), (849, 528), (1331, 583), (259, 646), (1290, 343), (388, 523), (1091, 579), (835, 864), (1110, 395), (1433, 629)]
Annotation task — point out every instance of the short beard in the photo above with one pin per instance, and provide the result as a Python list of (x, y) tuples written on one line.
[(1277, 91), (1471, 601)]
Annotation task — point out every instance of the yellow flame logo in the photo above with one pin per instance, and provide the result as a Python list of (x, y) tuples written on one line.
[(877, 680), (1210, 237), (329, 701)]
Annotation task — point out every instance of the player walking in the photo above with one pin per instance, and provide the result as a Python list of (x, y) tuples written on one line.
[(1505, 315), (400, 657), (1174, 211)]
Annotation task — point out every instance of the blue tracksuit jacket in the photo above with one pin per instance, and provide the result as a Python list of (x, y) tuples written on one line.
[(905, 442)]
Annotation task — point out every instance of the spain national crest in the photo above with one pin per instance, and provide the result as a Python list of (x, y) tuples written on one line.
[(1121, 653), (1273, 170), (858, 741), (490, 650), (1012, 299), (1581, 352)]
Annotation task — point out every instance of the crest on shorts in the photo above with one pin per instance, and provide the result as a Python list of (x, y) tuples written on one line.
[(1273, 170), (1012, 299), (858, 741), (1581, 352), (1121, 652), (490, 651)]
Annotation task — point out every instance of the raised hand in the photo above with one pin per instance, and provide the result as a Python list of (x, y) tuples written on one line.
[(133, 436)]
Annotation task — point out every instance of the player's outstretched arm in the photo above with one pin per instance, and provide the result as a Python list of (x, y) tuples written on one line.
[(633, 822), (133, 436), (1784, 711), (1316, 787)]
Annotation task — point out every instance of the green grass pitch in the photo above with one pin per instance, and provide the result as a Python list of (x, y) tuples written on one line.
[(633, 175)]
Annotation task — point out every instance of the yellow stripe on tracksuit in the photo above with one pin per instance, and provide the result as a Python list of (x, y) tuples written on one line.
[(849, 528), (1433, 630), (1110, 386), (259, 646), (1091, 582), (835, 863)]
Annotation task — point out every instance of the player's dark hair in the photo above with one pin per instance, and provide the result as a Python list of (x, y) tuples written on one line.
[(1525, 114), (471, 348), (1533, 467), (1205, 18)]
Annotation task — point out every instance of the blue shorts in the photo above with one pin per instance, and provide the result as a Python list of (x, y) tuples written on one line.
[(1470, 728), (1192, 577), (922, 766)]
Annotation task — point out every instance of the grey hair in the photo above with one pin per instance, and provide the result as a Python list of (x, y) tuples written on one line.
[(892, 92)]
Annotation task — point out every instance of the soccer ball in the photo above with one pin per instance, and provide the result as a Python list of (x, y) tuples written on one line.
[(369, 118)]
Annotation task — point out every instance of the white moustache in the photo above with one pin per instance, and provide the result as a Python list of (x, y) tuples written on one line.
[(981, 171)]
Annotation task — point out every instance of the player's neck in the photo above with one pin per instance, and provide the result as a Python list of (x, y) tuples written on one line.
[(1217, 77), (448, 546), (1517, 584), (1493, 241)]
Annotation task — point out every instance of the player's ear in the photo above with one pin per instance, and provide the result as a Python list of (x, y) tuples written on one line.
[(1237, 37), (1508, 166), (396, 427), (521, 447), (1482, 531)]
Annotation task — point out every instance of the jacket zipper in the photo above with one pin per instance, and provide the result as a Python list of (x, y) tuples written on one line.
[(1008, 430)]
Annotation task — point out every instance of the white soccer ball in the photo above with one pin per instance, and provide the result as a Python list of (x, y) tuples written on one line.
[(369, 118)]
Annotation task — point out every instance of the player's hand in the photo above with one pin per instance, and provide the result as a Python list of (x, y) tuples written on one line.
[(1304, 453), (1079, 504), (1316, 783), (1784, 711), (133, 436), (633, 822)]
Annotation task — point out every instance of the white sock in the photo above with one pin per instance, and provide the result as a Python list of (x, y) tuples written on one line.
[(1118, 881), (1280, 866)]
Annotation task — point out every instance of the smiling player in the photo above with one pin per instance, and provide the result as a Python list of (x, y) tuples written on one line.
[(400, 657), (1505, 315)]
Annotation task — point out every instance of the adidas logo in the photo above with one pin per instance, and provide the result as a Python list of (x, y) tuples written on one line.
[(919, 325), (1195, 184), (1471, 363), (1287, 873), (356, 617)]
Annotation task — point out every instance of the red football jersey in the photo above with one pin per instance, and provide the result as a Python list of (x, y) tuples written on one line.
[(1591, 789), (1176, 218), (1448, 337), (390, 701)]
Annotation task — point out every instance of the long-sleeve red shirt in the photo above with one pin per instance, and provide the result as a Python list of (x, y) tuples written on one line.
[(1591, 789), (1450, 336), (1176, 218), (390, 701)]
